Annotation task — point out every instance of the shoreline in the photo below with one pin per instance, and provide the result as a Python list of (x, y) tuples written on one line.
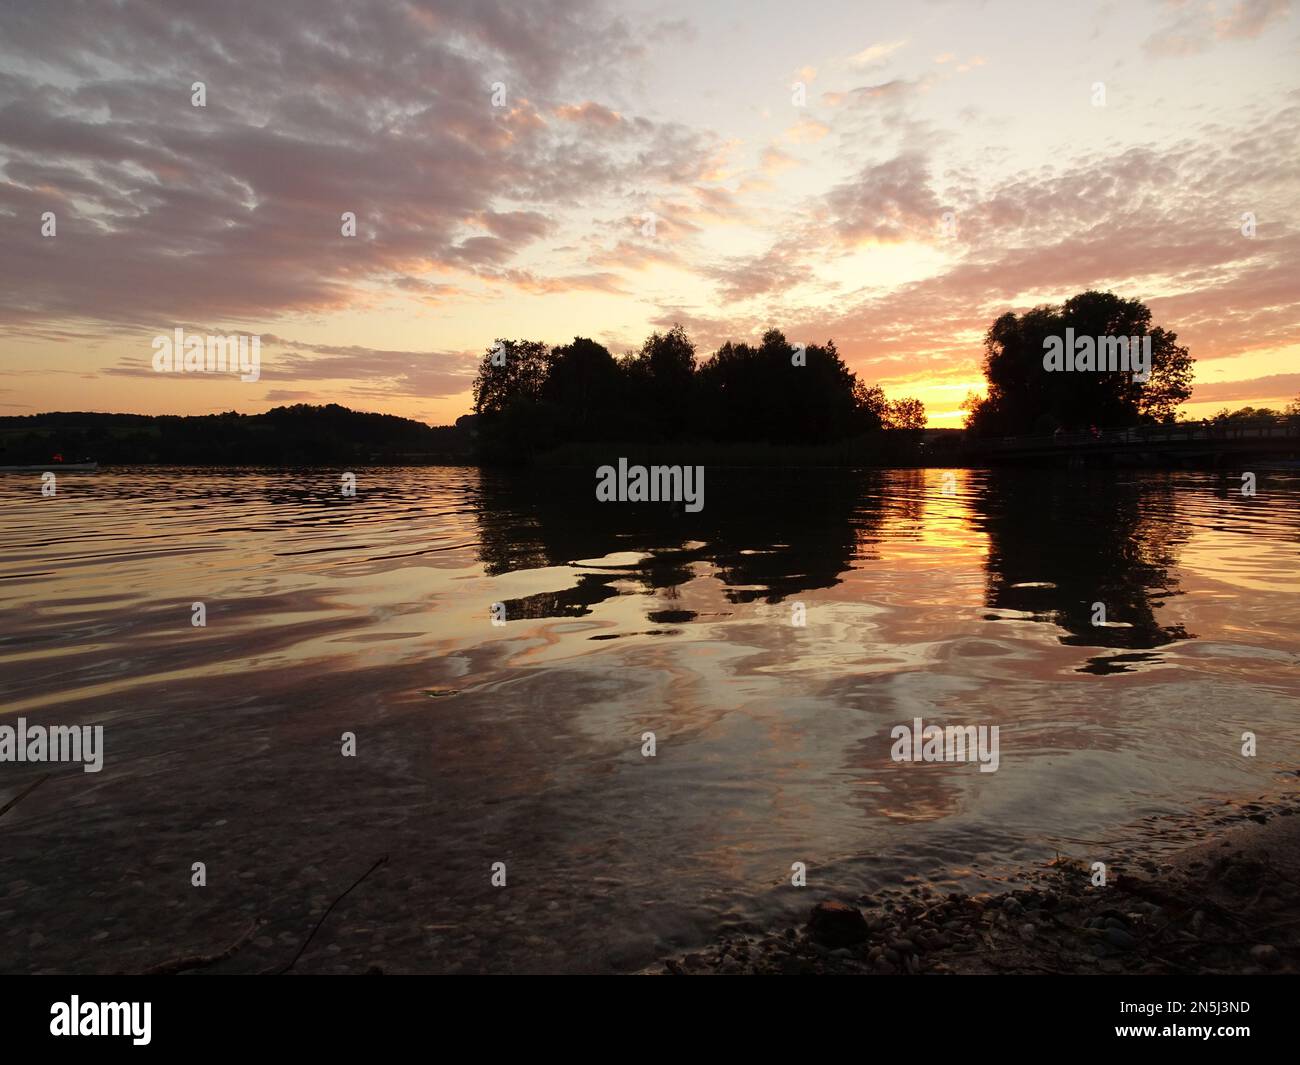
[(1222, 901)]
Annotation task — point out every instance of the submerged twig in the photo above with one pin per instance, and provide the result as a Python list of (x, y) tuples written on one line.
[(23, 794), (308, 940), (199, 961)]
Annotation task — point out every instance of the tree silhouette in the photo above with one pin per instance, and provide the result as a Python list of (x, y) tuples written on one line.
[(511, 370), (905, 414), (661, 385), (777, 393), (1025, 397), (584, 386), (772, 393)]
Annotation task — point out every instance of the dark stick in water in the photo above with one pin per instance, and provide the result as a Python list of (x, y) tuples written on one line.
[(308, 940), (23, 794)]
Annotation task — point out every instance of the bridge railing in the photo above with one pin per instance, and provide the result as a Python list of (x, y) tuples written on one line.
[(1137, 436)]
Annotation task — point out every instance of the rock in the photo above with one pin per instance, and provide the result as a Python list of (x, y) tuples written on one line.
[(1027, 931), (1265, 955), (835, 924), (1118, 937)]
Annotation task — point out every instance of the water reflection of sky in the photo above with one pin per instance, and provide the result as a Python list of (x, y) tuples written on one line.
[(327, 614)]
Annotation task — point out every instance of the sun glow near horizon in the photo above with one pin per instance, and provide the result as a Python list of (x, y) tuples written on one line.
[(856, 176)]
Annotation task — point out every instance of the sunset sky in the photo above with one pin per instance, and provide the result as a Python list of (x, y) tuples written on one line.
[(822, 217)]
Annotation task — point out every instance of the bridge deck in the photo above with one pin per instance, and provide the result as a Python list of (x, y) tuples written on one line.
[(1189, 438)]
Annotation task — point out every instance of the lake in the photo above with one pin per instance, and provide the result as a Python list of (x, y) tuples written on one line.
[(770, 643)]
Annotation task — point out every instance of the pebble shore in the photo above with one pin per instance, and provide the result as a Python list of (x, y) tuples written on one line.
[(1226, 903)]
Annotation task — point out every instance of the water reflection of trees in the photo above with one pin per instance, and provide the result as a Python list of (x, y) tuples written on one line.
[(767, 534), (1059, 545)]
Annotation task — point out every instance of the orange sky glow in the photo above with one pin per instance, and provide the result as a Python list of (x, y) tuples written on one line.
[(893, 177)]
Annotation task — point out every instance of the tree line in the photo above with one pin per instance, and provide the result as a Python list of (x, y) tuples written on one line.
[(301, 434), (531, 398)]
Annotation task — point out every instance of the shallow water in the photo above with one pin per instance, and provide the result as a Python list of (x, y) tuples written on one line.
[(961, 597)]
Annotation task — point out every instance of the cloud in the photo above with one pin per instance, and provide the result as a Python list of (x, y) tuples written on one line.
[(887, 201), (589, 113), (1159, 223), (780, 268), (875, 53), (637, 255), (597, 281), (807, 130), (1249, 18), (1278, 384), (1195, 28), (232, 212), (774, 160), (895, 91), (170, 214), (392, 373)]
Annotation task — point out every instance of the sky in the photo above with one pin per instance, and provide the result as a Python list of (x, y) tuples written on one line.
[(890, 176)]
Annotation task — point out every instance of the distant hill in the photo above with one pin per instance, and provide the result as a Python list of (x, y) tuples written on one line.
[(283, 436)]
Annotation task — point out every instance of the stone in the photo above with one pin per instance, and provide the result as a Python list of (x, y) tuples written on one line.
[(1265, 955), (836, 924)]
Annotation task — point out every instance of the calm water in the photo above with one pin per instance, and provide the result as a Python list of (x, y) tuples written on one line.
[(521, 743)]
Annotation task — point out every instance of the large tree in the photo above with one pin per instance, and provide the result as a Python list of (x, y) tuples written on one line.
[(779, 393), (584, 386), (1025, 397), (510, 371), (907, 413), (660, 382)]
